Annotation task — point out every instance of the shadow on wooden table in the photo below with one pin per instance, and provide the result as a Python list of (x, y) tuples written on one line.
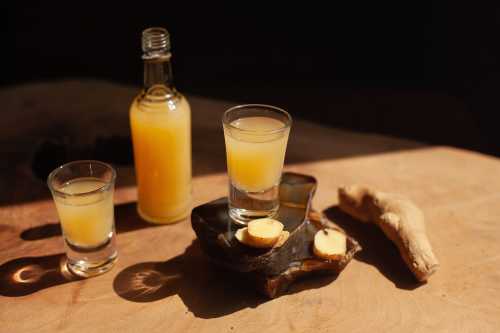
[(206, 290), (24, 276), (377, 250), (126, 219)]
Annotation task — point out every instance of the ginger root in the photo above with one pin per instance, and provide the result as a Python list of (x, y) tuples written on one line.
[(400, 220)]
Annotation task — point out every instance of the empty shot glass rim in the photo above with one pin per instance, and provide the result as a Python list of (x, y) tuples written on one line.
[(286, 124), (105, 187)]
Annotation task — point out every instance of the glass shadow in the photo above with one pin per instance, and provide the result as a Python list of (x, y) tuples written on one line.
[(24, 276)]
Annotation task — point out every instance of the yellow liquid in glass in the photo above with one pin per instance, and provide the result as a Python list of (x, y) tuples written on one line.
[(87, 221), (254, 156), (161, 135)]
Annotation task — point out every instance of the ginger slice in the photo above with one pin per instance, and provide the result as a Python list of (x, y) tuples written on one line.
[(400, 220), (243, 237), (265, 231), (329, 244)]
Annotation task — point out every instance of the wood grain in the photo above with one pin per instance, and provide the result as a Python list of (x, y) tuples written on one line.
[(162, 282)]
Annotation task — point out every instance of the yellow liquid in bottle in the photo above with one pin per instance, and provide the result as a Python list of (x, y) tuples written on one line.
[(255, 156), (87, 220), (161, 135)]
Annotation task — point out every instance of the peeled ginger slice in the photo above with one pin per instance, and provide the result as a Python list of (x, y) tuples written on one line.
[(329, 244), (265, 231)]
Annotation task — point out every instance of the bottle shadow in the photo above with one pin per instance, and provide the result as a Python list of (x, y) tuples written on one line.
[(24, 276), (378, 251), (126, 219), (207, 290)]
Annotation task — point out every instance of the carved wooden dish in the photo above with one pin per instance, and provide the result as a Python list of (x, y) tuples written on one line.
[(271, 270)]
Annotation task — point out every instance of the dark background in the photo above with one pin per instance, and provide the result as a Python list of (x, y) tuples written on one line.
[(424, 71)]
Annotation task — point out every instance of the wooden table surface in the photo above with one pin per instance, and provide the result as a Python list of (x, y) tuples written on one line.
[(162, 282)]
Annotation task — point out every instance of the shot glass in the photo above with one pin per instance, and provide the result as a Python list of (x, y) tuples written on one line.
[(256, 137), (83, 195)]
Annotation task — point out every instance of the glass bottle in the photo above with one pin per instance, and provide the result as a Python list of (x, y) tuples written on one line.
[(160, 120)]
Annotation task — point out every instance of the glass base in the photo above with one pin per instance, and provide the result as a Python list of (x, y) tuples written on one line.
[(85, 269), (91, 261), (243, 216), (247, 206)]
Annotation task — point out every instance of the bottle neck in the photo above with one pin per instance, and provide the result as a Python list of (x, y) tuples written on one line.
[(158, 79)]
